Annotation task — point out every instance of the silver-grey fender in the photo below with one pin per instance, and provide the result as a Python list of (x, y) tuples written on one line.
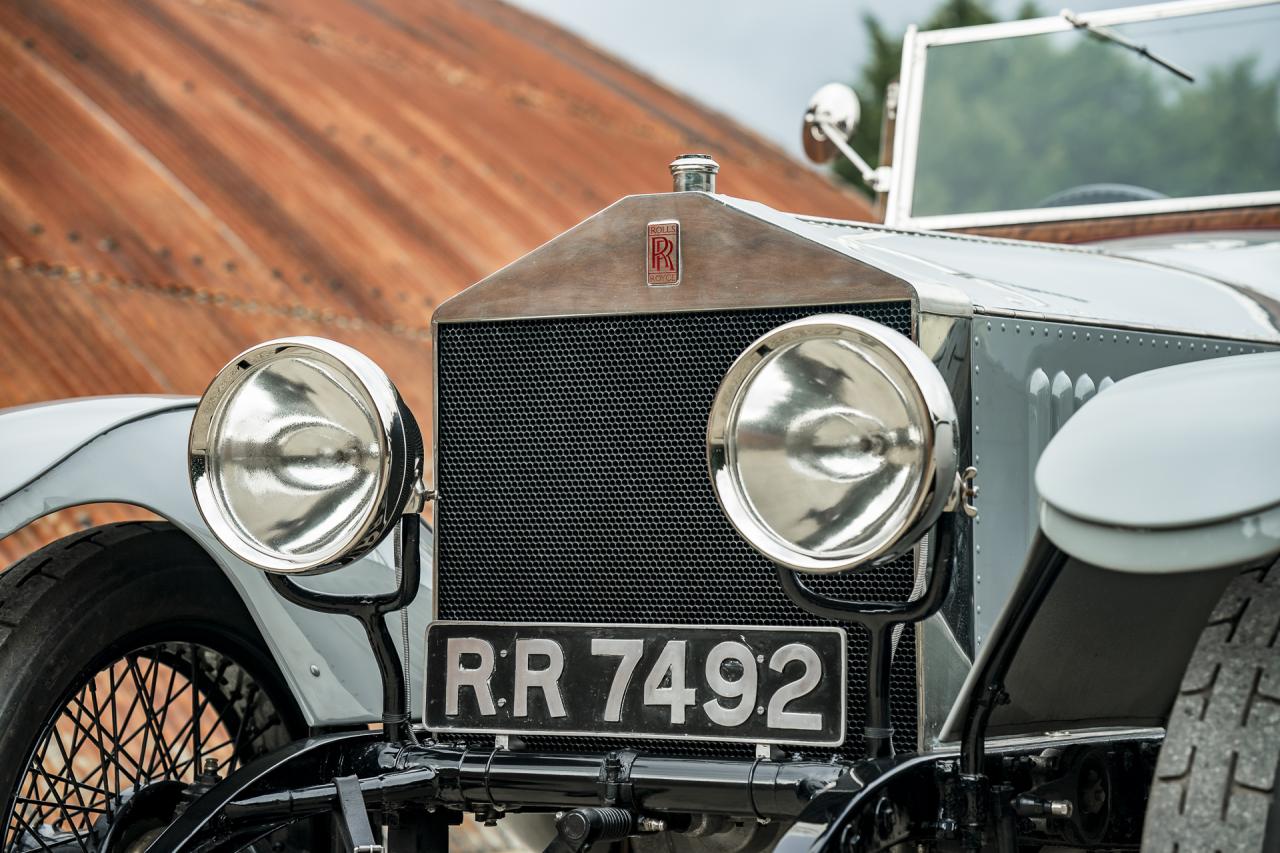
[(1172, 470), (1157, 492), (133, 450)]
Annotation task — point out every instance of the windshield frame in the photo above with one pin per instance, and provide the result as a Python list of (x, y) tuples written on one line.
[(906, 140)]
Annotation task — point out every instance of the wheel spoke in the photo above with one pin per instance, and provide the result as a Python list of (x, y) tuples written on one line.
[(128, 725), (96, 717), (62, 806), (68, 762), (195, 707), (169, 698), (70, 809), (139, 701), (30, 831), (76, 734), (115, 722), (162, 746), (113, 753), (143, 728), (64, 780)]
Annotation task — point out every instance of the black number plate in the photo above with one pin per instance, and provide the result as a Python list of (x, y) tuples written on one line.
[(758, 685)]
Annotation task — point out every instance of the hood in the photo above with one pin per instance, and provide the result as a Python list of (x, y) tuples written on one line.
[(740, 254), (1246, 258)]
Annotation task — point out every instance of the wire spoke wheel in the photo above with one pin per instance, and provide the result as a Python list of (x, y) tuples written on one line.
[(152, 719)]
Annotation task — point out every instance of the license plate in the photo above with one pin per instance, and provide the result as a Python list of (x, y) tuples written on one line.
[(756, 685)]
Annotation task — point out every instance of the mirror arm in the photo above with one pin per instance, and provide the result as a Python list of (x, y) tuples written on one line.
[(876, 179)]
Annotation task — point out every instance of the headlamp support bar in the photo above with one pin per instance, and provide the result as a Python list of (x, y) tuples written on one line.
[(371, 610), (879, 618)]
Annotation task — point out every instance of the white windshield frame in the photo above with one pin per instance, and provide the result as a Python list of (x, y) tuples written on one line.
[(906, 141)]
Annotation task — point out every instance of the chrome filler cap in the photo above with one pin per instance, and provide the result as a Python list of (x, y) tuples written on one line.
[(694, 173)]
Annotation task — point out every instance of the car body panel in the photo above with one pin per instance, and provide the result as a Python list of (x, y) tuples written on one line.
[(1164, 503), (1007, 322), (1072, 284), (741, 254), (36, 437), (1028, 379), (1248, 259), (1105, 649), (98, 450), (1187, 488)]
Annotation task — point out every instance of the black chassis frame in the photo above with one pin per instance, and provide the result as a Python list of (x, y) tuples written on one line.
[(1085, 790)]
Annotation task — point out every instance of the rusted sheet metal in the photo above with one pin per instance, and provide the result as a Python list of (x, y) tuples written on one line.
[(179, 180)]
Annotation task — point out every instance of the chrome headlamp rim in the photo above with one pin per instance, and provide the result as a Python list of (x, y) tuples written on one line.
[(399, 448), (928, 387)]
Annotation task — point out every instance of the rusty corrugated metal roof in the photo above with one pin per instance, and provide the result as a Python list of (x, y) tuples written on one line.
[(179, 180)]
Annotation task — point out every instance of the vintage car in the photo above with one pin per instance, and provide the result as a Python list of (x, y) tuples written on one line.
[(748, 529)]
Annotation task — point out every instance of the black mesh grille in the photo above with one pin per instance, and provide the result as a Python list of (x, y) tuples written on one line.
[(573, 483)]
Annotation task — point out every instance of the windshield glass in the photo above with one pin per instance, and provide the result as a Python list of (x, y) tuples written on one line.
[(1069, 118)]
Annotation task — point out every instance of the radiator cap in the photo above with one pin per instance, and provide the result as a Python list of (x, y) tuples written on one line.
[(694, 173)]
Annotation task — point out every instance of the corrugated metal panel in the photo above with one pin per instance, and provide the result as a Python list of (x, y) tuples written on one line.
[(179, 180)]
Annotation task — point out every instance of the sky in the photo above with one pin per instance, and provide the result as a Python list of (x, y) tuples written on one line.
[(757, 61)]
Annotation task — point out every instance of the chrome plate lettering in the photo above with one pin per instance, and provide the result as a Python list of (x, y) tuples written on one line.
[(751, 684), (662, 264)]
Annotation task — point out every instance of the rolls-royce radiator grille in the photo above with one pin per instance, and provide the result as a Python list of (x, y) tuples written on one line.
[(573, 481)]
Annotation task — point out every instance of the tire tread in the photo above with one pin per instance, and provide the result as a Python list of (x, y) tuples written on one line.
[(52, 563), (1216, 779)]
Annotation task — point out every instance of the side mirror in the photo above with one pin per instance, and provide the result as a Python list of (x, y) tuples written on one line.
[(834, 110), (829, 124)]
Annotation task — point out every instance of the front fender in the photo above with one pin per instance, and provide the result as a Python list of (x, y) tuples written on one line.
[(133, 450)]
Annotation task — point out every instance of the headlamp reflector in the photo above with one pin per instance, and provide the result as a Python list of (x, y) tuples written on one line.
[(298, 449), (826, 441)]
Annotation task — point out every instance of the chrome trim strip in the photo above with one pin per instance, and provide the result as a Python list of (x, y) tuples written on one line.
[(906, 141), (902, 177), (1098, 18), (1003, 742), (981, 312)]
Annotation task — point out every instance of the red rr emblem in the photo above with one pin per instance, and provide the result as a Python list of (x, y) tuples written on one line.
[(662, 253)]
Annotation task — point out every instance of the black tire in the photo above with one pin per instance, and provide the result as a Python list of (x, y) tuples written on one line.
[(118, 609), (1216, 779)]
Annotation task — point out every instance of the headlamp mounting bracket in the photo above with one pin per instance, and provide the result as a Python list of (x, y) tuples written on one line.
[(370, 609), (880, 618)]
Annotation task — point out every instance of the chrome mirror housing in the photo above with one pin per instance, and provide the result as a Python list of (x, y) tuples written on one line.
[(834, 111), (303, 456), (830, 122)]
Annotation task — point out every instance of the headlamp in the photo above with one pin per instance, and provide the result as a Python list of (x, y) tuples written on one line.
[(831, 443), (302, 455)]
